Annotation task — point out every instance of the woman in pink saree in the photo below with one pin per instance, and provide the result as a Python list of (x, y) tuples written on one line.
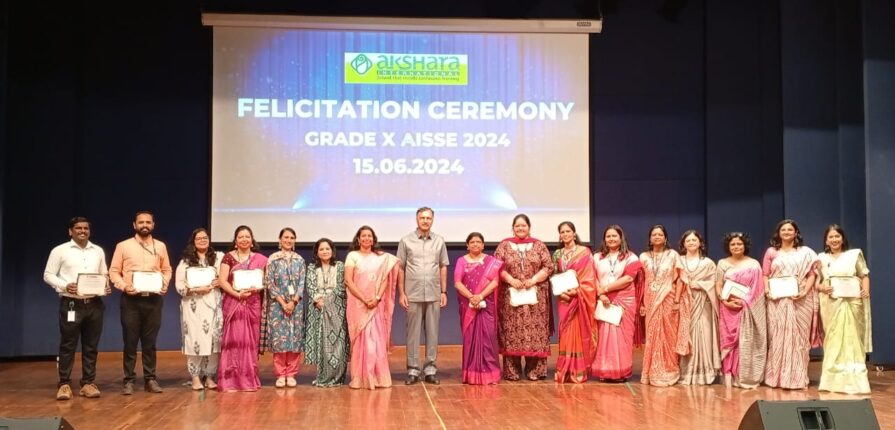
[(667, 312), (240, 339), (793, 322), (370, 277), (475, 278), (620, 283), (742, 321), (577, 328)]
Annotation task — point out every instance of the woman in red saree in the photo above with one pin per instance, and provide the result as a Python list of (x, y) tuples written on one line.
[(619, 282), (577, 328), (475, 278), (370, 277), (667, 312)]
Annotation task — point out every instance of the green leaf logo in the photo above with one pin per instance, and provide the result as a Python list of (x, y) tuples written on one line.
[(361, 64)]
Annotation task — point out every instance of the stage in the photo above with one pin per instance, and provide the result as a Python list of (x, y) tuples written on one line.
[(27, 389)]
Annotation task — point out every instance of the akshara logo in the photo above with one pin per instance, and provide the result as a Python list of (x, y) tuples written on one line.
[(361, 64)]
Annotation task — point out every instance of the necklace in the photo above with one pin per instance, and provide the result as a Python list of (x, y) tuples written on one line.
[(687, 265), (567, 255), (613, 261)]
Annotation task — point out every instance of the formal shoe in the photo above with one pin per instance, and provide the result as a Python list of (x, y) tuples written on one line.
[(281, 382), (432, 379), (412, 379), (197, 384), (90, 391), (290, 382), (152, 386), (210, 384), (128, 389), (64, 392)]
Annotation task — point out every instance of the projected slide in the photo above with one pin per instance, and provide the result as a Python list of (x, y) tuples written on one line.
[(325, 131)]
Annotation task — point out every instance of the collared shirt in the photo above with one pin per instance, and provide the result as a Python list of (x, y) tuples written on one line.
[(68, 260), (132, 255), (422, 256)]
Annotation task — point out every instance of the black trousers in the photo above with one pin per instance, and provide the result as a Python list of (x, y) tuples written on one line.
[(87, 327), (141, 318)]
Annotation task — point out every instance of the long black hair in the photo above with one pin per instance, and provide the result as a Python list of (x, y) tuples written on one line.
[(191, 255)]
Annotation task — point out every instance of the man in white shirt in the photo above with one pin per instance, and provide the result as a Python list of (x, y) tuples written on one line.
[(80, 316)]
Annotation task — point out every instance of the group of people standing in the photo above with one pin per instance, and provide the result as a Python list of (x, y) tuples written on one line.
[(338, 315)]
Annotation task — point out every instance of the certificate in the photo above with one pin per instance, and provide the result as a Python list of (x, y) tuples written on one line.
[(527, 296), (784, 286), (480, 306), (611, 314), (198, 277), (735, 289), (563, 282), (148, 282), (247, 279), (845, 286), (92, 284)]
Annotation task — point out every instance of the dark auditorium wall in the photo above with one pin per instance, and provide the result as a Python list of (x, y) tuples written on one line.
[(108, 113)]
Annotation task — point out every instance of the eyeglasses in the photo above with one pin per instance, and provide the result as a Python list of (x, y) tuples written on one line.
[(201, 238)]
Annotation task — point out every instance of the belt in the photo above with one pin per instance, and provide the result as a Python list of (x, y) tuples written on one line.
[(85, 301)]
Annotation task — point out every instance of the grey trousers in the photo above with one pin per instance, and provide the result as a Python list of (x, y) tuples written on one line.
[(417, 312)]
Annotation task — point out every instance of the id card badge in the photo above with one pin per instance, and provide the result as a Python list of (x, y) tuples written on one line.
[(291, 289), (71, 312)]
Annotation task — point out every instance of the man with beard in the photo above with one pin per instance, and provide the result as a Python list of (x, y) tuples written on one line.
[(80, 316), (141, 313)]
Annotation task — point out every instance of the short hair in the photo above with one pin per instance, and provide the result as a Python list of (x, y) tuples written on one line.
[(523, 216), (747, 242), (77, 219), (254, 247), (144, 212), (623, 247), (475, 234), (425, 209), (572, 227), (841, 232), (332, 260), (355, 243), (649, 245), (776, 242), (683, 250)]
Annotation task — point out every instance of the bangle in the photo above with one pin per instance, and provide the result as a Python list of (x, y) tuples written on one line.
[(444, 292)]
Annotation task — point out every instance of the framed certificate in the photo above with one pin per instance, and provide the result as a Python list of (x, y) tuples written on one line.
[(527, 296), (92, 284), (784, 286), (845, 286), (735, 289), (611, 314), (197, 277), (148, 282), (563, 282), (248, 279)]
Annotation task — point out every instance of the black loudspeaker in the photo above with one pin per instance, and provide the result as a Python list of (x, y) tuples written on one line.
[(48, 423), (810, 415)]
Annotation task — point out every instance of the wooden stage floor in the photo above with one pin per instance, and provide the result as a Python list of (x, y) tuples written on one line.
[(27, 389)]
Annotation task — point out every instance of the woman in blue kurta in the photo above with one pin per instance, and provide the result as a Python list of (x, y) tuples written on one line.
[(284, 326)]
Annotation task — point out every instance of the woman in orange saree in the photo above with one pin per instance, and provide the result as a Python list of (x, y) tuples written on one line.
[(577, 328)]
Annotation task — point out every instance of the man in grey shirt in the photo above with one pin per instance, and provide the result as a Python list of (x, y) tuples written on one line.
[(423, 292)]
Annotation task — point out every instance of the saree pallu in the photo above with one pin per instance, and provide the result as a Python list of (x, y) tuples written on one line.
[(479, 326), (240, 340), (701, 367), (847, 328), (667, 328), (577, 328), (614, 358), (744, 336), (370, 329), (793, 325), (326, 335)]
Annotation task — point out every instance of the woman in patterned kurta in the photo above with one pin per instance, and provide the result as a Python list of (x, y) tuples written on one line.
[(667, 313), (201, 319), (793, 325), (846, 319), (326, 335), (283, 325), (525, 330), (698, 279), (238, 369)]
